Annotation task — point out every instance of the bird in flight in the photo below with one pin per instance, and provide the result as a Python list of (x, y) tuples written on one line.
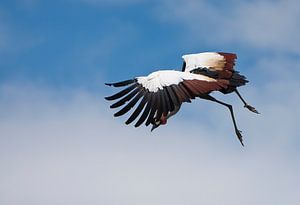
[(161, 93)]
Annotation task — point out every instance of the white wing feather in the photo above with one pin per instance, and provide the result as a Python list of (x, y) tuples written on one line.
[(204, 60), (159, 79)]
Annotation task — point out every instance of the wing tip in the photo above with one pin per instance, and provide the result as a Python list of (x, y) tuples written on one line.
[(122, 83), (117, 114)]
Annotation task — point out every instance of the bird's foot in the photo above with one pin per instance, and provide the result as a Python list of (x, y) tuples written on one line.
[(239, 135), (252, 109)]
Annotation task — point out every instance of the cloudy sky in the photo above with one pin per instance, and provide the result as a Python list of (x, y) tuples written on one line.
[(59, 143)]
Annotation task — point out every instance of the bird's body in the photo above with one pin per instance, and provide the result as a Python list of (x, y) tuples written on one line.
[(162, 92)]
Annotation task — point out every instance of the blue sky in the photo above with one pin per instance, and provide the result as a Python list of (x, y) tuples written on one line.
[(64, 43), (75, 44), (61, 145)]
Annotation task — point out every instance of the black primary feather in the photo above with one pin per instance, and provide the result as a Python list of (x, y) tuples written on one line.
[(146, 111), (122, 83), (127, 107), (166, 101), (138, 109), (126, 98), (154, 103), (161, 105), (122, 92)]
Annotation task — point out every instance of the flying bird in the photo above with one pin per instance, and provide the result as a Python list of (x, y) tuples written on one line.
[(160, 94)]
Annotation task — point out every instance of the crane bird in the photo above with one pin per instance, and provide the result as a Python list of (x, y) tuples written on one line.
[(162, 92)]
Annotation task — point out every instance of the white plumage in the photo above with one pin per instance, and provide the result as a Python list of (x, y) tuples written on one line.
[(204, 60), (159, 79)]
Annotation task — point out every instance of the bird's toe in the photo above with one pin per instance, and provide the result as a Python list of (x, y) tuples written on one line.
[(252, 109), (240, 137)]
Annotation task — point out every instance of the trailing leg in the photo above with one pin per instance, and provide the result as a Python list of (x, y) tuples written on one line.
[(237, 131), (246, 105)]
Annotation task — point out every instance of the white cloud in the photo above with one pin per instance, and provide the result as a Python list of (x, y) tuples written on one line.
[(260, 24), (63, 147)]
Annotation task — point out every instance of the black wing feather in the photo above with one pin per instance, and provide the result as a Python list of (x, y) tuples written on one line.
[(122, 83), (166, 101), (146, 111), (138, 109), (183, 94), (127, 107), (186, 92), (161, 105), (172, 98), (125, 99), (122, 92), (154, 103)]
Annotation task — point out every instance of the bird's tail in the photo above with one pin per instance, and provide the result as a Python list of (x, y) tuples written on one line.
[(236, 80)]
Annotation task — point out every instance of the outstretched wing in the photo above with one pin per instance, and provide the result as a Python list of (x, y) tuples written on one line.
[(215, 62), (159, 93)]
